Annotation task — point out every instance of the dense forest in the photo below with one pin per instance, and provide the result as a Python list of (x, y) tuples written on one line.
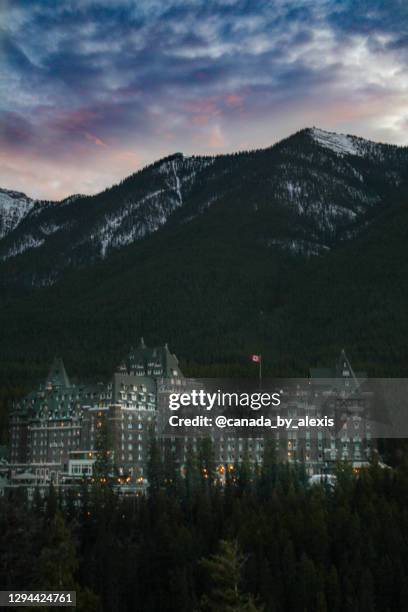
[(264, 541), (215, 301)]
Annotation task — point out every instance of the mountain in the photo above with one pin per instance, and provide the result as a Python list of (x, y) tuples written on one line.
[(306, 194), (296, 250)]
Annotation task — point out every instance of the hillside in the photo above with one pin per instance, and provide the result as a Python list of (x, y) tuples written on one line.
[(306, 195), (295, 251)]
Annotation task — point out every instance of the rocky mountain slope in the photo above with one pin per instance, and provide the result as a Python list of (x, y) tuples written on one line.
[(14, 206), (306, 194)]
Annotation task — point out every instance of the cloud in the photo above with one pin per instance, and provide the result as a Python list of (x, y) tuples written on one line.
[(217, 138), (88, 78), (234, 100), (95, 139)]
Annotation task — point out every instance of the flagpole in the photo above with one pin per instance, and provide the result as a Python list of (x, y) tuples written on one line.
[(258, 359)]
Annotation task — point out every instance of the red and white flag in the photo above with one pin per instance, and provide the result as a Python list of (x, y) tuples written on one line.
[(256, 358)]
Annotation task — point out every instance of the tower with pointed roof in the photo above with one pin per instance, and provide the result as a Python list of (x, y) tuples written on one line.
[(57, 375), (155, 362), (341, 375)]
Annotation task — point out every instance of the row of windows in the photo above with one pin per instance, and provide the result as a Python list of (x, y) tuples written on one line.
[(141, 388), (81, 469), (52, 434), (139, 457), (130, 447)]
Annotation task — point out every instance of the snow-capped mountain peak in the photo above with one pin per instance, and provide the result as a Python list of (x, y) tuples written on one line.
[(306, 194), (339, 143)]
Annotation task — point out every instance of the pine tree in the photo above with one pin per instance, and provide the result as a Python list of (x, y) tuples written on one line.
[(171, 470), (37, 502), (206, 462), (154, 465), (193, 475), (333, 590), (57, 563), (321, 605), (366, 592), (103, 466), (224, 569), (244, 472), (269, 468), (51, 504)]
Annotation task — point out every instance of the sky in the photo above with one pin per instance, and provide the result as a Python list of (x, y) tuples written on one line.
[(93, 90)]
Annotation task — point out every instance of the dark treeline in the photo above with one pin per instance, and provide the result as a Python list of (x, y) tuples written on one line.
[(265, 540)]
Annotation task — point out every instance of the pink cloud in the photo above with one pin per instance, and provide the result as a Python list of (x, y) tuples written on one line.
[(95, 139), (217, 138), (201, 119), (203, 110), (207, 106), (234, 100), (72, 120)]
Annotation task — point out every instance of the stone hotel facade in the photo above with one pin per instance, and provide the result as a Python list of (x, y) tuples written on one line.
[(53, 430)]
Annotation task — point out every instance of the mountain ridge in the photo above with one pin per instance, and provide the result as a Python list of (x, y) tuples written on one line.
[(313, 178), (180, 154)]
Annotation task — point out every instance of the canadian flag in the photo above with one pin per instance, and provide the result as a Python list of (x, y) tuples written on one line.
[(256, 358)]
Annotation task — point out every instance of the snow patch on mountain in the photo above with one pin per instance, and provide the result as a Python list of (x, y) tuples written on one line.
[(298, 247), (14, 206), (339, 143), (135, 220), (49, 228), (26, 243), (177, 187)]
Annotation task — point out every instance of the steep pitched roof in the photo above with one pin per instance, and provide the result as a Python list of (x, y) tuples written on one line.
[(342, 372), (57, 376), (150, 361)]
